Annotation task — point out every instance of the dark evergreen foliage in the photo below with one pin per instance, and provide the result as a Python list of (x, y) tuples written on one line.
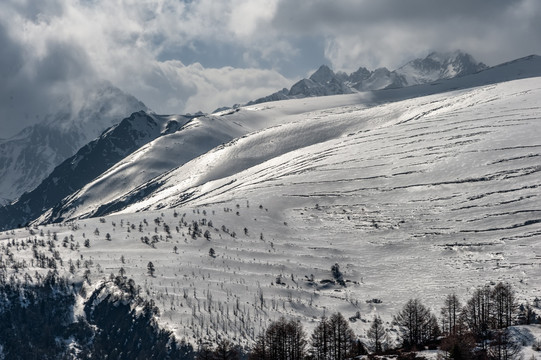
[(37, 322), (33, 317), (283, 340)]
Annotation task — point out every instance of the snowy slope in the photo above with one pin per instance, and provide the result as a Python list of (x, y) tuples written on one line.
[(173, 150), (417, 197), (115, 189), (28, 157), (110, 191), (90, 161)]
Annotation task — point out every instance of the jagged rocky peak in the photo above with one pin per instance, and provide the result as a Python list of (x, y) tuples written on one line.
[(435, 66), (361, 74), (440, 65), (323, 75)]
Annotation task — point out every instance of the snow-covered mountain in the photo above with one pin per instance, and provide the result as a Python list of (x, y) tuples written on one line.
[(89, 162), (438, 66), (126, 182), (419, 197), (28, 157), (434, 67), (117, 177), (415, 192)]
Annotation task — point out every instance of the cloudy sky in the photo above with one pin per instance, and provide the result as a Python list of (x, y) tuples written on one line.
[(183, 56)]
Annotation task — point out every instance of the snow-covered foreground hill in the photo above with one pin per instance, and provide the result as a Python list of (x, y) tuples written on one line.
[(416, 198)]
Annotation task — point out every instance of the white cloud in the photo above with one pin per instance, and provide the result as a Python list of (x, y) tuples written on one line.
[(179, 56), (389, 33), (59, 47)]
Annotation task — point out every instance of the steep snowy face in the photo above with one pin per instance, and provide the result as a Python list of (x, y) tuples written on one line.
[(439, 66), (28, 157), (166, 152), (378, 79), (323, 75)]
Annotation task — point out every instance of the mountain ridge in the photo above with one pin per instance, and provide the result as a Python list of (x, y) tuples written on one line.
[(324, 82), (529, 66), (165, 153), (90, 161)]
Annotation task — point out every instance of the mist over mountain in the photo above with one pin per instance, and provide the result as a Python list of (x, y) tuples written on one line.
[(28, 157)]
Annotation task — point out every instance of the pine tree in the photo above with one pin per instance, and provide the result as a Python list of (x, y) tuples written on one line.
[(450, 313), (320, 340), (504, 305), (376, 335), (417, 325), (342, 338), (151, 269), (226, 351), (477, 313)]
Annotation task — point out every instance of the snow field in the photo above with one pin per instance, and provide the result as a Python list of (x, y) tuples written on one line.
[(418, 198)]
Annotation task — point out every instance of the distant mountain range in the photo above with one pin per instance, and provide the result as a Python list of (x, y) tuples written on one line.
[(435, 66)]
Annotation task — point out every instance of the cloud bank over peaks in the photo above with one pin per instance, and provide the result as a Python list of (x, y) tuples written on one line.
[(56, 51), (184, 56)]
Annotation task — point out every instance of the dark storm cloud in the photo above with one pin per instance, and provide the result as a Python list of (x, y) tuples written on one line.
[(181, 56), (388, 32), (308, 16), (55, 51), (32, 84)]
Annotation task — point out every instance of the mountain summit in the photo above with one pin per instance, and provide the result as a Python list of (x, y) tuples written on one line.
[(434, 67), (438, 66)]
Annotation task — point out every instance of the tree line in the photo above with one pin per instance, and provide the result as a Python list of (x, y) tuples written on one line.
[(476, 329)]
